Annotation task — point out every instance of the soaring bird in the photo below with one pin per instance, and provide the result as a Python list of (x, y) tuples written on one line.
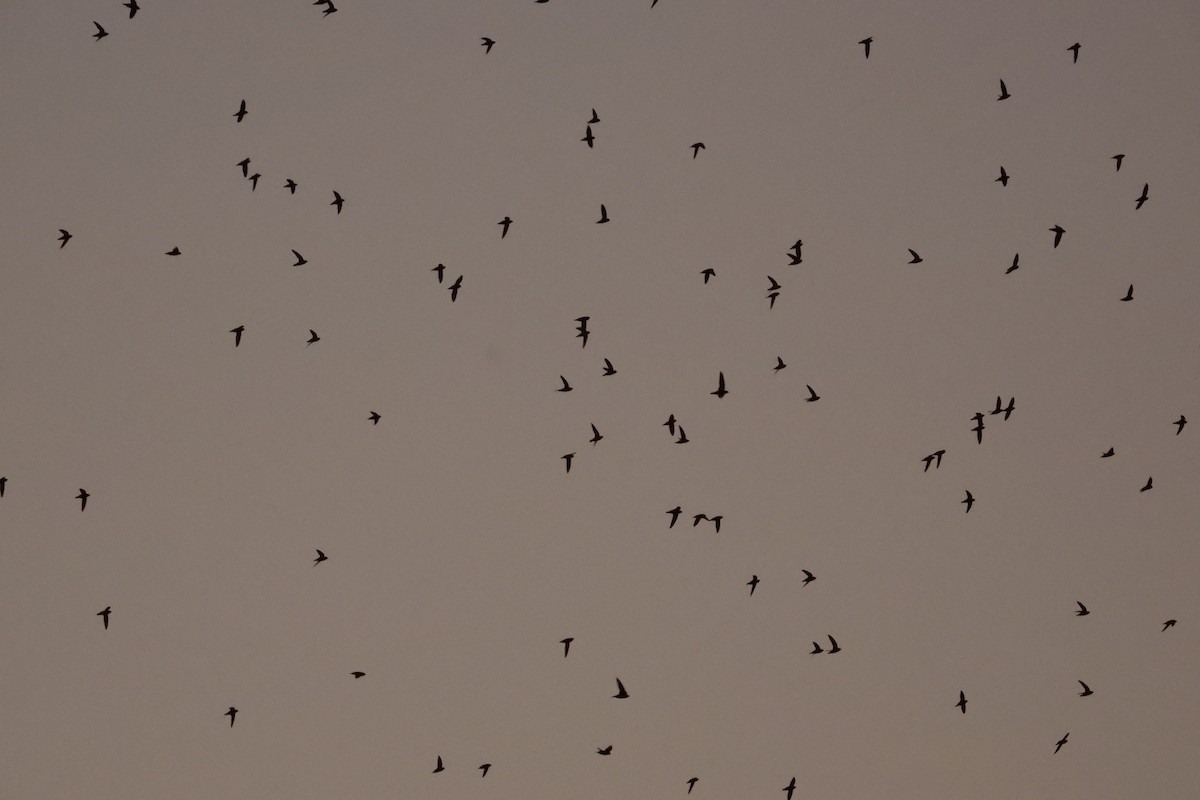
[(595, 118), (608, 368), (374, 418), (775, 285), (791, 787), (454, 287), (1012, 404), (1144, 196), (320, 557), (779, 364), (440, 269), (595, 436), (999, 405), (337, 201), (716, 521), (670, 424), (312, 336), (808, 577), (816, 649), (1180, 423), (439, 766), (241, 112), (291, 185), (720, 392), (1074, 53), (938, 455), (978, 426), (675, 512), (254, 180), (1169, 624), (1058, 745), (245, 165), (866, 43), (753, 584), (133, 7), (1003, 179), (1083, 610), (833, 645), (621, 693), (970, 501), (329, 8), (3, 482), (603, 215), (566, 643), (1128, 294), (1015, 265), (795, 256), (566, 387), (487, 43), (82, 498), (1086, 689), (708, 273), (237, 334), (300, 260), (812, 396), (962, 701), (505, 223), (107, 610), (1108, 453), (232, 714), (589, 138), (690, 781), (484, 768), (1004, 95), (604, 751), (1119, 157), (696, 148), (1149, 484), (101, 33), (916, 259), (682, 437), (1058, 231), (568, 458), (64, 237), (697, 517), (357, 674)]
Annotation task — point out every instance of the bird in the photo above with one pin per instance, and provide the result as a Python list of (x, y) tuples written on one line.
[(796, 259), (595, 436), (107, 610), (133, 7), (237, 334), (1149, 485), (978, 426), (1074, 53), (245, 165), (1058, 231), (833, 648), (716, 521), (1128, 294), (753, 584), (962, 701), (241, 112), (816, 649), (254, 180), (440, 269), (300, 260), (1168, 624), (1009, 408), (791, 787), (374, 418), (82, 498), (357, 675), (999, 405), (670, 424), (566, 643), (1144, 196), (566, 387), (1058, 745), (1108, 453), (603, 215), (1086, 689), (1004, 95), (3, 483), (682, 437), (100, 32), (938, 455), (720, 392), (454, 287), (697, 517), (329, 8), (320, 557), (866, 43), (1180, 423), (595, 118), (808, 577), (487, 44), (675, 512), (337, 201), (64, 237), (916, 259), (568, 458), (779, 364), (1003, 179), (970, 501), (621, 693), (604, 751), (812, 395), (505, 222), (771, 296), (291, 185), (708, 273), (696, 148), (1119, 157), (1014, 264), (484, 768), (589, 138), (232, 714), (608, 368), (1083, 610), (774, 284), (439, 766), (313, 338), (690, 781)]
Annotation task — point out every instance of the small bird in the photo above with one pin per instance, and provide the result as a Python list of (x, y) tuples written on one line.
[(720, 392), (254, 180), (604, 751), (1074, 53), (1110, 452), (374, 418), (1149, 485), (300, 260), (133, 7), (808, 577), (1015, 265), (358, 675), (1061, 742), (232, 714), (816, 649), (675, 512), (1003, 179), (603, 215), (795, 256), (107, 610), (1128, 294), (1086, 689), (454, 287), (64, 237), (3, 483), (566, 643), (716, 521), (682, 437), (312, 337), (696, 148), (484, 768), (487, 44), (595, 436), (290, 185), (962, 701), (101, 33), (1144, 196), (1119, 157), (320, 557), (568, 458), (774, 284), (916, 259), (237, 334), (337, 201), (82, 498), (621, 693), (595, 118), (505, 222), (690, 781), (866, 43), (608, 368), (791, 787), (938, 455), (566, 387), (1004, 95), (978, 426), (999, 405), (439, 766), (1009, 408), (1169, 624), (241, 112), (771, 296), (329, 8), (812, 395), (779, 364), (670, 424), (708, 273), (1180, 423), (245, 165), (1058, 231), (970, 501), (753, 584), (697, 517), (833, 645), (589, 138), (440, 269), (1083, 610)]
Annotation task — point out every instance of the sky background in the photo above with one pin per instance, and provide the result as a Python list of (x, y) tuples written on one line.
[(459, 550)]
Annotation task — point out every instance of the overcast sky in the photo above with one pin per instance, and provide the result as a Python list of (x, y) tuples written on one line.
[(460, 551)]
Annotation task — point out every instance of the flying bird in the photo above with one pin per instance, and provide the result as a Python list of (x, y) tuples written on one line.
[(3, 482), (133, 7), (1144, 196), (1128, 295), (595, 118), (1074, 53), (720, 392), (232, 714), (320, 557), (708, 273), (589, 138), (64, 238), (290, 185), (254, 180), (337, 201), (716, 521), (791, 787), (816, 649), (101, 33), (568, 458), (753, 584), (566, 387), (237, 334), (808, 577), (779, 364), (970, 501), (978, 426), (1180, 423), (439, 766), (1004, 95), (454, 287), (1003, 179), (1014, 264), (690, 781), (566, 643), (1108, 453), (696, 148), (774, 284), (670, 424), (604, 751), (1058, 745), (241, 112), (505, 222), (962, 701), (1086, 689), (608, 368), (1058, 231), (1119, 157), (487, 43), (595, 436), (621, 693), (484, 768), (82, 498), (300, 260), (682, 437), (795, 257), (1149, 485), (812, 395), (313, 338), (929, 459), (374, 418), (833, 645), (1083, 610), (1169, 624), (697, 517), (358, 675), (916, 259), (440, 269), (329, 8), (603, 215), (999, 405), (245, 165), (866, 43), (675, 512), (107, 610)]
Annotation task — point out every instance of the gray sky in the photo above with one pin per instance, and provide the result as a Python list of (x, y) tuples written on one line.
[(460, 552)]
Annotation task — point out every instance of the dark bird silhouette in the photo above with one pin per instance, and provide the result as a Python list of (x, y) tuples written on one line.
[(245, 165), (566, 643), (505, 222), (241, 112), (133, 7), (3, 483), (337, 201), (374, 418), (290, 185), (708, 273), (1015, 265), (978, 426), (107, 610), (999, 406), (808, 577), (330, 8), (589, 138), (696, 148), (595, 118), (962, 701), (484, 768), (358, 675), (101, 33), (791, 787), (690, 781), (833, 645), (254, 180), (237, 334), (720, 392), (753, 584), (566, 387), (1012, 405), (604, 751), (866, 43), (682, 437), (1180, 423), (774, 284), (1061, 742), (595, 436), (916, 259), (568, 458), (670, 423), (795, 256), (320, 557), (621, 693), (1145, 195), (1086, 689), (439, 766), (82, 498), (440, 269), (716, 521), (1058, 231), (312, 336), (812, 396), (1128, 294), (1119, 157), (603, 215), (487, 44), (697, 517), (1108, 453), (816, 649), (454, 287), (1004, 95), (779, 364), (1003, 179), (929, 460), (1169, 624), (970, 501), (1149, 485), (771, 296), (300, 260), (232, 714), (608, 368), (64, 237), (1074, 53), (1083, 610), (675, 512)]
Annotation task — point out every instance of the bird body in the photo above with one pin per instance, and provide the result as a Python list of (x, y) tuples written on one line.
[(962, 702), (720, 391), (241, 112), (621, 693), (107, 610)]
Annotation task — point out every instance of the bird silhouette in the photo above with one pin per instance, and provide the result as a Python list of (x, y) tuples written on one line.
[(696, 148), (1086, 689), (1145, 195), (439, 766), (1149, 485), (568, 458), (245, 165), (779, 364), (1074, 53), (484, 768), (589, 138), (1108, 453), (440, 269), (670, 424), (300, 260), (608, 368), (1015, 265), (690, 781), (107, 610), (237, 334), (771, 296), (916, 259), (675, 512), (962, 701), (320, 557), (697, 517), (1119, 157), (487, 44), (64, 237), (753, 584), (1128, 294), (938, 455), (232, 714), (595, 436), (808, 577), (604, 751), (290, 185), (358, 675), (621, 693), (812, 395), (816, 649), (3, 483), (133, 7), (337, 201), (716, 521), (566, 387), (504, 222), (720, 391), (795, 256), (970, 501), (595, 118), (708, 273), (1003, 179), (1180, 423), (101, 33), (978, 429), (791, 787), (774, 284), (254, 180), (566, 643), (313, 338), (1058, 231), (833, 645), (241, 112), (1083, 610), (454, 287), (682, 437), (330, 8), (999, 406), (1012, 401), (1058, 745), (603, 215), (82, 498), (1004, 95), (1169, 624), (866, 43), (374, 418)]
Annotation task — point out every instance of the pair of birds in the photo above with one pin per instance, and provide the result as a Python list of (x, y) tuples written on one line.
[(100, 33), (588, 137), (440, 767), (754, 582), (596, 436), (833, 647), (671, 424)]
